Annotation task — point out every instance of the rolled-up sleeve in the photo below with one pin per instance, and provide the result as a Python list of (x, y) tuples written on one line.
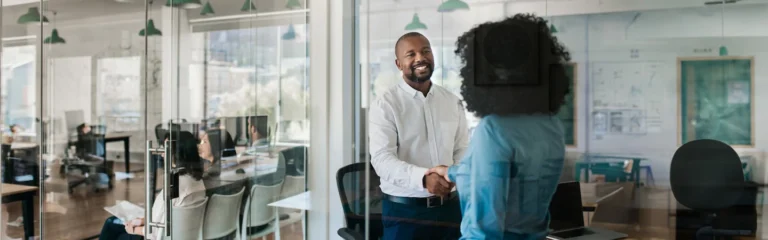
[(382, 133)]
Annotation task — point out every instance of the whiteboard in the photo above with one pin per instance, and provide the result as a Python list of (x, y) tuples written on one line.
[(627, 97)]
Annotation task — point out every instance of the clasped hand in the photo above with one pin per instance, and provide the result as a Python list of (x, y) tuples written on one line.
[(437, 182)]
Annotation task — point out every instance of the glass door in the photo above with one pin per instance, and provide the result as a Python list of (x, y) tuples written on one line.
[(233, 104), (92, 96)]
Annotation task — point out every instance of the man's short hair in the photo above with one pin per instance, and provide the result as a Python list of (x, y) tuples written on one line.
[(407, 35)]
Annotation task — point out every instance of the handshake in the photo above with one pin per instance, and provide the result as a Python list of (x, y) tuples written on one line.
[(436, 181)]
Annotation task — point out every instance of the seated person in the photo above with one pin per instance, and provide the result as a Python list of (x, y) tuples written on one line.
[(89, 146), (258, 137), (191, 192), (211, 165)]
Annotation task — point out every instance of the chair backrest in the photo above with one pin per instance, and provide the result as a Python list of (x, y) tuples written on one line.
[(706, 175), (160, 133), (295, 159), (352, 189), (293, 185), (222, 216), (188, 221), (258, 211)]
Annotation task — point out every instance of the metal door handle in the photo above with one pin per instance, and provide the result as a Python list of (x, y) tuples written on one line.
[(167, 186), (150, 191)]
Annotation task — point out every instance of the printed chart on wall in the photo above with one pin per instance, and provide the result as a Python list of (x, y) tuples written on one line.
[(626, 99)]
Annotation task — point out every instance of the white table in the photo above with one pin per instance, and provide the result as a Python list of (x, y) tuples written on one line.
[(299, 201)]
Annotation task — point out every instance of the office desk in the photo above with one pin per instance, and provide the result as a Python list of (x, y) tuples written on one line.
[(589, 161), (301, 201), (126, 139), (25, 194)]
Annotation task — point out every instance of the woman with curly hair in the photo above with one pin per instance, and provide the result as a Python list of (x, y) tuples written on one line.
[(514, 80)]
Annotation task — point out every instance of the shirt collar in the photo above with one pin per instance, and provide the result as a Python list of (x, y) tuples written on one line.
[(413, 92)]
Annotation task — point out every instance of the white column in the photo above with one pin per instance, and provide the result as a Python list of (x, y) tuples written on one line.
[(332, 121), (178, 51)]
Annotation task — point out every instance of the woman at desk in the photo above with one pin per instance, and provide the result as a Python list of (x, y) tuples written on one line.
[(511, 169), (191, 192), (211, 165)]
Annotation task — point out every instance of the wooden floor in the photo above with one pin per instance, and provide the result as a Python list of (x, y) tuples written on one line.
[(81, 215)]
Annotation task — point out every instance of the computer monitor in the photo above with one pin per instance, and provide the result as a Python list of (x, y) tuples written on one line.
[(214, 139), (565, 210)]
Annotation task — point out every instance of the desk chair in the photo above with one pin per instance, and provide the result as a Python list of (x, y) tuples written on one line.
[(706, 177), (295, 159), (222, 216), (352, 188)]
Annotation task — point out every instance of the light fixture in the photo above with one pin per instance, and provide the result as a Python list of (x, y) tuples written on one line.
[(415, 23), (150, 30), (248, 6), (32, 16), (552, 28), (185, 4), (207, 9), (290, 34), (291, 4), (452, 5), (54, 38), (723, 51)]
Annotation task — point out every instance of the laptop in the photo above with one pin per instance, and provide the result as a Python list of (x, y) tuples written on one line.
[(567, 219)]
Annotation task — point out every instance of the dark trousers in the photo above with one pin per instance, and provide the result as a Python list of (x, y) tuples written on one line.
[(402, 222), (113, 230)]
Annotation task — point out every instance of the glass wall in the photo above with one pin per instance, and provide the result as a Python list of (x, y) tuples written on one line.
[(111, 108), (646, 78)]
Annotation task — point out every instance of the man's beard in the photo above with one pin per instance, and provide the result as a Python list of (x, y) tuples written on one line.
[(413, 78)]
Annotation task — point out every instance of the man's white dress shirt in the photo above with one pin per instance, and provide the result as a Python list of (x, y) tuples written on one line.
[(410, 133)]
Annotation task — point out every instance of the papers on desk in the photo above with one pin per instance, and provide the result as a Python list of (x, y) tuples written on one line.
[(125, 210), (250, 171)]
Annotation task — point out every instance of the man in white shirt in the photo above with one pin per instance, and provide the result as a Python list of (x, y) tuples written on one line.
[(415, 126)]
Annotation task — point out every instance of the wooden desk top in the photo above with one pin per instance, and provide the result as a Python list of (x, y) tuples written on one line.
[(118, 135), (11, 189)]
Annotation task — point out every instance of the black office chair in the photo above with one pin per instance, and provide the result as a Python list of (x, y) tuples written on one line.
[(351, 182), (706, 176), (295, 159)]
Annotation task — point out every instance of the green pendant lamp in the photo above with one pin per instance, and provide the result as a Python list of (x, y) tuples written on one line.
[(207, 10), (723, 51), (290, 34), (185, 4), (291, 4), (552, 28), (32, 16), (415, 24), (54, 38), (248, 6), (452, 5), (150, 30)]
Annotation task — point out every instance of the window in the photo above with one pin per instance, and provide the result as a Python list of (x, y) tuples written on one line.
[(258, 71), (119, 88), (19, 85)]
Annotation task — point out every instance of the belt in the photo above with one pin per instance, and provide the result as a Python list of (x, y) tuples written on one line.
[(429, 202)]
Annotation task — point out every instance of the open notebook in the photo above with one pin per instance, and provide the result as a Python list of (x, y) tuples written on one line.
[(125, 210)]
